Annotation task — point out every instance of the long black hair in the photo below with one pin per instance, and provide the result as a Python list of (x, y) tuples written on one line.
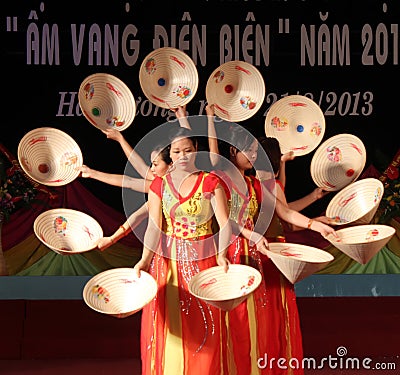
[(236, 137), (181, 132), (270, 145), (163, 151)]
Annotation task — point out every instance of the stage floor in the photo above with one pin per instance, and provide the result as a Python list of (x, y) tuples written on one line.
[(40, 338), (125, 366)]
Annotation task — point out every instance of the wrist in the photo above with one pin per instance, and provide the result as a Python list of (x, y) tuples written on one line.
[(124, 230), (222, 254)]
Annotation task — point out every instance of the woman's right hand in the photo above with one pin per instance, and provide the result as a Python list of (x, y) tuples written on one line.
[(323, 229), (114, 134), (288, 156), (326, 220), (210, 110), (180, 112)]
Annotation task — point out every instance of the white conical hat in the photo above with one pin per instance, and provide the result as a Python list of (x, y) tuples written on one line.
[(362, 242), (236, 89), (119, 292), (106, 102), (297, 122), (297, 261), (49, 156), (67, 231), (357, 203), (225, 290), (168, 77), (338, 162)]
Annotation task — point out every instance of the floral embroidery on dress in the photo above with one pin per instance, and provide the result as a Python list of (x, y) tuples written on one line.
[(186, 226), (194, 204)]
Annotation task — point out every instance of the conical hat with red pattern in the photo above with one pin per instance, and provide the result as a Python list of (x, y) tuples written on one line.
[(50, 156), (168, 77), (236, 89), (297, 122), (297, 261), (225, 290), (67, 231), (119, 292), (107, 102), (362, 242), (338, 162)]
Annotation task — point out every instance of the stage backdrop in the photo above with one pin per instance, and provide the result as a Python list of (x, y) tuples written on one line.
[(342, 54)]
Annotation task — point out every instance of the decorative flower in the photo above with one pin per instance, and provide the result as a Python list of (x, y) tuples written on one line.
[(389, 206), (15, 190)]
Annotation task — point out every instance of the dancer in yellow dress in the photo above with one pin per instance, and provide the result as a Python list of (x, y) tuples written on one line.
[(180, 333)]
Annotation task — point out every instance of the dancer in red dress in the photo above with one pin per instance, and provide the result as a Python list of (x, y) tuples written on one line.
[(264, 328)]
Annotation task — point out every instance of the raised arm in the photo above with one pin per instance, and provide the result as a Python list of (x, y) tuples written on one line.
[(212, 135), (134, 158), (282, 166), (181, 115), (137, 184)]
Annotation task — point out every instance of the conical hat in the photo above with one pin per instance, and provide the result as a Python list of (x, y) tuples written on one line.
[(297, 261), (49, 156), (67, 231), (338, 162), (362, 242), (236, 89), (119, 292), (106, 102), (356, 203), (168, 77), (225, 290), (297, 122)]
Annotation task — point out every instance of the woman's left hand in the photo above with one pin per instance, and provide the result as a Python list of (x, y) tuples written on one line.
[(104, 243), (223, 261)]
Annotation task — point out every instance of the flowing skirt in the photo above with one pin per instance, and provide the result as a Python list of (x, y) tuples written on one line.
[(181, 334), (265, 327)]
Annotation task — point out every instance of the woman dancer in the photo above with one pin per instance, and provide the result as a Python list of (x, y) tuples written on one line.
[(266, 325), (160, 164), (276, 181), (180, 333), (280, 229)]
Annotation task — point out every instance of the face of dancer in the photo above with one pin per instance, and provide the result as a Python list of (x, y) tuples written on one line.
[(244, 159), (183, 154), (158, 166)]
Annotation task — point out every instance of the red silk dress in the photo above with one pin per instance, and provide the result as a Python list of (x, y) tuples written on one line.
[(247, 324), (265, 327), (284, 329), (181, 334)]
